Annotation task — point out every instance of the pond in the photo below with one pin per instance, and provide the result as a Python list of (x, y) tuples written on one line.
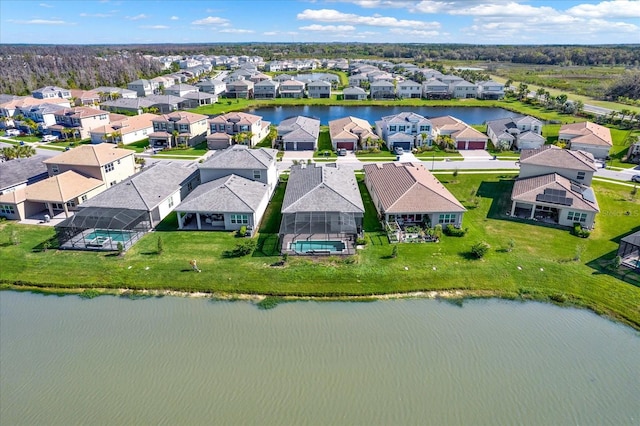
[(470, 115), (112, 360)]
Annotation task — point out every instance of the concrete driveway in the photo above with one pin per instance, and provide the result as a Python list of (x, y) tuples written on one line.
[(475, 154)]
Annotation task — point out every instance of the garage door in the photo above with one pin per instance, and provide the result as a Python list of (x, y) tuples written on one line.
[(305, 146), (461, 145), (289, 146), (345, 145), (476, 144), (404, 145)]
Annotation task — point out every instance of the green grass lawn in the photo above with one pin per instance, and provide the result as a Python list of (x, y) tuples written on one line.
[(541, 265), (195, 151), (67, 143)]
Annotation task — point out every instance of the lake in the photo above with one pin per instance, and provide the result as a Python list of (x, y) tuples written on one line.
[(168, 360), (470, 115)]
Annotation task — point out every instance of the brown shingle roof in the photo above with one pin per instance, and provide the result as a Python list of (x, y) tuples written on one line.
[(553, 156), (61, 188), (588, 133), (90, 155), (409, 188)]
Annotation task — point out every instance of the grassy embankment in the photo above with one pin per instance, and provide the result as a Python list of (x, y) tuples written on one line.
[(546, 263)]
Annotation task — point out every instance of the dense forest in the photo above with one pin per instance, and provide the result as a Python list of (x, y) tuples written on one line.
[(27, 67)]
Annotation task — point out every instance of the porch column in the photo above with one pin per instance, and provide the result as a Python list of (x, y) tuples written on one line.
[(513, 208), (198, 221), (179, 220), (66, 209), (533, 211), (50, 207)]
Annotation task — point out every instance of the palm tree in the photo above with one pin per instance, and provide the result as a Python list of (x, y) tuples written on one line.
[(175, 138), (25, 151), (9, 153)]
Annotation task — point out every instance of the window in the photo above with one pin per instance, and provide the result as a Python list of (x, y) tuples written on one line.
[(108, 168), (577, 217), (112, 183), (54, 169), (392, 128), (240, 219), (57, 206), (7, 209), (581, 175), (71, 203), (257, 174), (447, 218), (171, 202), (83, 198)]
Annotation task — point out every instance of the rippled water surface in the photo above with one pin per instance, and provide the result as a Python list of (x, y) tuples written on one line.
[(184, 361)]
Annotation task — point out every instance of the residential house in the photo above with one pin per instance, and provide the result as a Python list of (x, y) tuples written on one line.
[(85, 97), (578, 166), (319, 89), (554, 198), (215, 87), (126, 131), (163, 82), (78, 121), (20, 172), (125, 105), (408, 194), (354, 94), (144, 87), (409, 89), (450, 79), (280, 78), (321, 203), (197, 99), (292, 89), (463, 90), (463, 136), (490, 90), (240, 89), (266, 89), (180, 90), (587, 136), (358, 80), (382, 89), (179, 128), (257, 77), (254, 164), (113, 93), (435, 89), (298, 134), (103, 161), (406, 130), (224, 128), (165, 104), (516, 132), (49, 92), (43, 115), (9, 105), (633, 154), (351, 133)]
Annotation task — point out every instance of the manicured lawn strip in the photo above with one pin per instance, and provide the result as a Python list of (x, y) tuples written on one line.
[(68, 143), (544, 255)]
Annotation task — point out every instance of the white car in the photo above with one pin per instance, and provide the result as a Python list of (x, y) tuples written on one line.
[(12, 132), (49, 138)]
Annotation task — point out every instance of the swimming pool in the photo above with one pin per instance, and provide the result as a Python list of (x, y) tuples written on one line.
[(102, 235), (316, 246)]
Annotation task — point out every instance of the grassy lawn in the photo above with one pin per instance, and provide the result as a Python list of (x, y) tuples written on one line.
[(28, 138), (546, 263), (195, 151), (67, 143), (620, 139), (138, 146)]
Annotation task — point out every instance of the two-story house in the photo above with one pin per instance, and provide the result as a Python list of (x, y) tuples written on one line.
[(319, 89), (490, 90), (382, 89), (405, 130), (213, 86), (236, 127), (354, 94), (240, 89), (292, 89), (463, 90), (554, 186), (179, 128), (49, 92), (180, 90), (409, 89), (126, 131), (144, 87), (78, 122), (435, 89), (266, 89)]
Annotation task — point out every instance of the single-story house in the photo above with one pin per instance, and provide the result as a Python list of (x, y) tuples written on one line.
[(226, 203), (354, 94), (407, 193), (298, 133), (351, 133), (464, 136), (555, 199), (587, 136)]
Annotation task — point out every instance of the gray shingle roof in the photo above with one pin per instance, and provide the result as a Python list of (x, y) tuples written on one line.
[(21, 170), (553, 156), (241, 157), (147, 189), (322, 188), (299, 128), (229, 194)]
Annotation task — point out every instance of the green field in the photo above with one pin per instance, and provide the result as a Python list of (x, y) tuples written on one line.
[(546, 263)]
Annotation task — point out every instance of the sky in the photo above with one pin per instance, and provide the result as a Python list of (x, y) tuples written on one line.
[(386, 21)]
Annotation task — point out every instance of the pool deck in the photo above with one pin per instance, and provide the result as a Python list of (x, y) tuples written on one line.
[(346, 238), (78, 242)]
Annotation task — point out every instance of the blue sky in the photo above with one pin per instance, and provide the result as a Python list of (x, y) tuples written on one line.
[(413, 21)]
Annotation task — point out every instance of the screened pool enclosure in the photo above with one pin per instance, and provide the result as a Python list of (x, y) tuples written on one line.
[(321, 223), (99, 228)]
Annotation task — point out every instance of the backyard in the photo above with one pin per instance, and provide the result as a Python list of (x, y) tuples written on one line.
[(525, 260)]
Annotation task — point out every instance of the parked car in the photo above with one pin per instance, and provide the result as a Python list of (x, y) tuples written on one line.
[(342, 152), (635, 178), (12, 132), (399, 150), (49, 138)]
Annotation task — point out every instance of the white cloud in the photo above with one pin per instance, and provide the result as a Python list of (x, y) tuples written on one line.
[(42, 22), (137, 17), (509, 9), (211, 20), (236, 31), (46, 5), (607, 9), (332, 15), (333, 28), (277, 33), (174, 18), (154, 27), (96, 15), (414, 33)]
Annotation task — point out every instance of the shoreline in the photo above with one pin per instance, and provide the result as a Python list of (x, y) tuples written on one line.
[(272, 300)]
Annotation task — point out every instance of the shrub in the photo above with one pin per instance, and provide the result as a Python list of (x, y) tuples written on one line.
[(437, 231), (394, 252), (244, 248), (452, 231), (242, 231), (480, 249), (579, 231), (361, 241), (269, 302), (120, 248)]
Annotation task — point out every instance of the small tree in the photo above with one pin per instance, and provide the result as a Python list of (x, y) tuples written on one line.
[(120, 248), (394, 252), (160, 247), (479, 249), (511, 245), (634, 192)]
